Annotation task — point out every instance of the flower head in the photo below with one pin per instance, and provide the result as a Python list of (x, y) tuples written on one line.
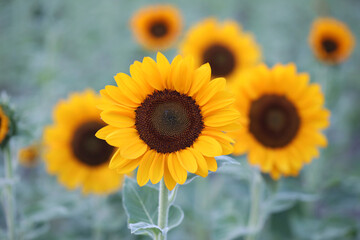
[(4, 125), (157, 27), (28, 156), (331, 40), (72, 150), (283, 115), (224, 46), (167, 119)]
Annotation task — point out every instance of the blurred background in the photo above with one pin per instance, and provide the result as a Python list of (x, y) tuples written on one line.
[(50, 48)]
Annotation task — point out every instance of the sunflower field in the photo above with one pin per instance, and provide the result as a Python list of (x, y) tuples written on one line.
[(179, 120)]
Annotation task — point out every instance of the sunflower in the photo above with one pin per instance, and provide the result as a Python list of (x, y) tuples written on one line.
[(157, 27), (224, 46), (283, 115), (4, 125), (73, 152), (28, 156), (168, 119), (331, 40)]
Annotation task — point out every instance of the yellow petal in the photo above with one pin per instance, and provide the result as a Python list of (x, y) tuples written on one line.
[(122, 137), (220, 101), (177, 171), (123, 165), (212, 164), (105, 131), (117, 119), (208, 146), (187, 160), (215, 85), (169, 181), (157, 168), (134, 149), (163, 66), (185, 75), (174, 72), (202, 76), (119, 97), (222, 118), (202, 169), (144, 167), (129, 167), (152, 73), (131, 87)]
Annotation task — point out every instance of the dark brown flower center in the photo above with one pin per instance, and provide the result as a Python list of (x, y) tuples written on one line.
[(274, 120), (158, 29), (87, 148), (221, 60), (329, 45), (168, 121)]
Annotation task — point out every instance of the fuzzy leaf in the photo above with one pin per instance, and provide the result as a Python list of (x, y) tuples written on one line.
[(141, 207), (286, 200), (221, 161)]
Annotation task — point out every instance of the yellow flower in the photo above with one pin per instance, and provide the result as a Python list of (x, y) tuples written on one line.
[(331, 40), (283, 115), (224, 46), (157, 27), (168, 119), (73, 152), (4, 125), (28, 156)]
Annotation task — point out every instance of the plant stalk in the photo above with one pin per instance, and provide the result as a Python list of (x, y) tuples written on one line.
[(163, 209), (255, 206), (9, 194)]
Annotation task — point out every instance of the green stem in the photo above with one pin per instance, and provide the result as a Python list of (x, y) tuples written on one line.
[(9, 194), (255, 205), (95, 205), (163, 209)]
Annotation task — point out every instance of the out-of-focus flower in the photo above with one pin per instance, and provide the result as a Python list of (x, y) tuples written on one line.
[(283, 116), (72, 150), (224, 46), (331, 40), (29, 156), (4, 125), (157, 27), (168, 119)]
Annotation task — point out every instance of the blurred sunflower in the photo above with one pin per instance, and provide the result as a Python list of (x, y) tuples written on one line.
[(331, 40), (283, 115), (168, 119), (4, 125), (157, 27), (73, 152), (224, 46), (28, 156)]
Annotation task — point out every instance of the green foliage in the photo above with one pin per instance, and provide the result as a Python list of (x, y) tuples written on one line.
[(141, 206)]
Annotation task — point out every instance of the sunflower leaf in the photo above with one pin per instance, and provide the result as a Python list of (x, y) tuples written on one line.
[(176, 215), (141, 207), (226, 160), (221, 161), (285, 200)]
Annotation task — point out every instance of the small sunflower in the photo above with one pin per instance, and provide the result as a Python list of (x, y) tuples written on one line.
[(4, 125), (283, 115), (331, 40), (28, 156), (157, 27), (168, 119), (224, 46), (73, 152)]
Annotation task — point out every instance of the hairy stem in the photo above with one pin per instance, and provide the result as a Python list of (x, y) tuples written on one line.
[(163, 209), (255, 205), (9, 194)]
